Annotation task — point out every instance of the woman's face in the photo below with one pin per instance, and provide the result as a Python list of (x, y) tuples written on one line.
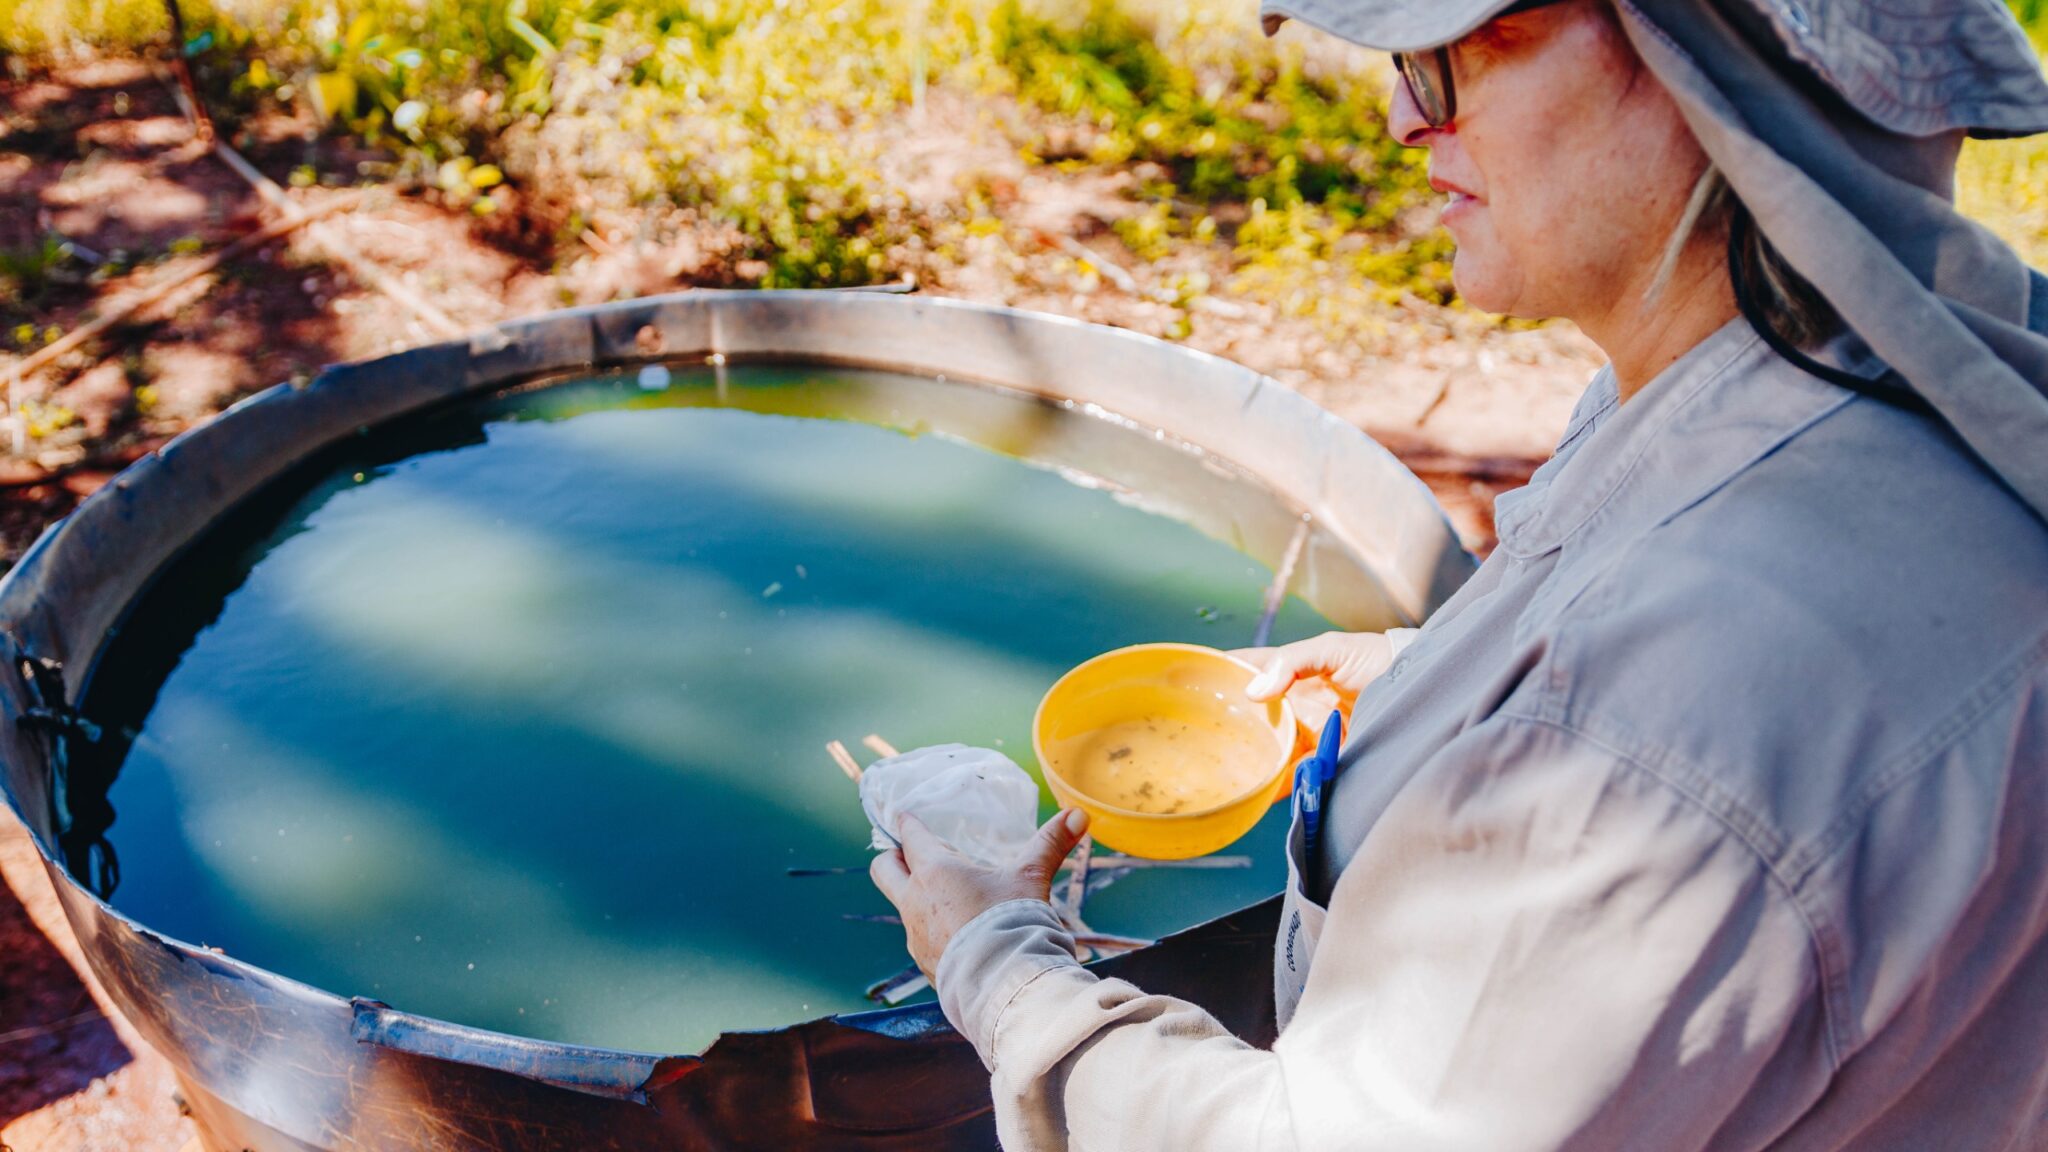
[(1567, 164)]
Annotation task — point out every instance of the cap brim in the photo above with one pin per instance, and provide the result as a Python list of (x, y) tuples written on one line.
[(1389, 25)]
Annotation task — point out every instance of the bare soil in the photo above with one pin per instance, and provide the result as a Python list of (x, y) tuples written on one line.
[(74, 1076)]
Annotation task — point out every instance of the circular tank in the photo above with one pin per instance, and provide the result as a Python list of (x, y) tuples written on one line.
[(269, 1063)]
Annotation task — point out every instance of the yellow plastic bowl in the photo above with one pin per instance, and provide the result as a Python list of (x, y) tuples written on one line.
[(1160, 746)]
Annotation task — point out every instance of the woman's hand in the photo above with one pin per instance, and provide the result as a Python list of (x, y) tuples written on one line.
[(937, 890), (1321, 673)]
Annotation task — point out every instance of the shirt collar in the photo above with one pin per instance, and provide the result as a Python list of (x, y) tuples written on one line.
[(1626, 467)]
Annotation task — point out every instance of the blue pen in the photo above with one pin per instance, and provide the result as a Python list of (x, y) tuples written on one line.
[(1313, 774)]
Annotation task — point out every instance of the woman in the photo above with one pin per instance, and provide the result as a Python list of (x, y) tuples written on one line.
[(1710, 813)]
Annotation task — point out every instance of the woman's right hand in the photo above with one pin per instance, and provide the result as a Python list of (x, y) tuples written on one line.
[(1320, 673)]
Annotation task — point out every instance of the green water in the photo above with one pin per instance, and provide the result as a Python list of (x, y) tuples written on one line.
[(513, 714)]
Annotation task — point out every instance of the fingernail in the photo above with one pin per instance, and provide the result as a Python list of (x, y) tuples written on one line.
[(1077, 821), (1261, 685)]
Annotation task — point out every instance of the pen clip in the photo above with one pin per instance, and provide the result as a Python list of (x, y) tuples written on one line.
[(1314, 773)]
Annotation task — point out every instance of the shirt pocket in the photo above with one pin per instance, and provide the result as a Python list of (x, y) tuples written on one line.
[(1301, 925)]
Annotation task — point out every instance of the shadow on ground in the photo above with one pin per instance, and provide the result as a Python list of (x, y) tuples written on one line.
[(53, 1039)]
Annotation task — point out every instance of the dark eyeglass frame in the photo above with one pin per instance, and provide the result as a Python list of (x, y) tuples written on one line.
[(1428, 74)]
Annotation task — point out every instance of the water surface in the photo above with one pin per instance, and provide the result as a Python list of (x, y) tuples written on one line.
[(514, 714)]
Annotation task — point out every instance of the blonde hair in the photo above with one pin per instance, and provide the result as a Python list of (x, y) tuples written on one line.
[(1784, 298)]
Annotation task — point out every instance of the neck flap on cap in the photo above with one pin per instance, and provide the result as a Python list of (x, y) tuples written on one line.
[(1934, 295)]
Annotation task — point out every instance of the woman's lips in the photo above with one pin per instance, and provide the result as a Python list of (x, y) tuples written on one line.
[(1461, 202)]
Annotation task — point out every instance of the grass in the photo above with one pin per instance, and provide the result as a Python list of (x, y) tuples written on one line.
[(758, 112), (762, 114), (26, 273), (2004, 183)]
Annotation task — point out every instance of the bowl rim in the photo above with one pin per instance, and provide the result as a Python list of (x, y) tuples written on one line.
[(1288, 721)]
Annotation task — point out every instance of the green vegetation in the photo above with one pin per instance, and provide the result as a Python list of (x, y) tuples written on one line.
[(25, 273), (2004, 183), (1233, 121), (763, 115), (760, 113)]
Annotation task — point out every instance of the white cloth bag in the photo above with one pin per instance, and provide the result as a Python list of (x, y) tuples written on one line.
[(975, 799)]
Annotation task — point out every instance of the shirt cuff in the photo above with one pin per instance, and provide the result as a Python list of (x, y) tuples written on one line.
[(990, 960)]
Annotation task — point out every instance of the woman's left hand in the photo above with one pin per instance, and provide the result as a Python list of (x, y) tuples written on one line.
[(937, 890)]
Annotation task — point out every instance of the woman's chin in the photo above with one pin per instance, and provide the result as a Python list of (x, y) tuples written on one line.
[(1481, 285)]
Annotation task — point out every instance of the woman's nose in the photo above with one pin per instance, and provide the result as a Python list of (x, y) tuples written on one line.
[(1404, 117)]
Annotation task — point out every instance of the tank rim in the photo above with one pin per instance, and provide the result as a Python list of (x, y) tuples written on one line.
[(60, 601)]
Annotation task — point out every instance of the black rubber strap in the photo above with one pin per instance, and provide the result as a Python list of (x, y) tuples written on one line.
[(1889, 388)]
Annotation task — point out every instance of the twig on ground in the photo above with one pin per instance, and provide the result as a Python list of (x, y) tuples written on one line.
[(143, 298), (23, 473), (1443, 393), (36, 1030), (1124, 281), (326, 244), (187, 92), (1128, 284), (332, 247)]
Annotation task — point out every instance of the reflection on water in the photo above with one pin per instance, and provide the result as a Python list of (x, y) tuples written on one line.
[(514, 714)]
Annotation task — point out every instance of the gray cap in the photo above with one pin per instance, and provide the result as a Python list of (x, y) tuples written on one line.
[(1849, 178), (1912, 66)]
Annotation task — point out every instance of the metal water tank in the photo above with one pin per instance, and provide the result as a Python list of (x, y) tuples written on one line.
[(271, 1065)]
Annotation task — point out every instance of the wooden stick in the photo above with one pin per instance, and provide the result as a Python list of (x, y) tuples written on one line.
[(1443, 393), (844, 759), (880, 746), (1128, 283), (1276, 592), (896, 989), (145, 297), (37, 1030), (1077, 881), (187, 91), (28, 474), (338, 251), (1104, 941)]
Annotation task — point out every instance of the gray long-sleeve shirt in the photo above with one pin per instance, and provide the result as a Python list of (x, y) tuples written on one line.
[(1712, 813)]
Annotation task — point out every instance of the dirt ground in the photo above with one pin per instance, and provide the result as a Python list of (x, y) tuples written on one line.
[(98, 154), (74, 1077)]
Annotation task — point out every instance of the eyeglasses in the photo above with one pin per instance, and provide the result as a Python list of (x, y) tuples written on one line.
[(1428, 74)]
